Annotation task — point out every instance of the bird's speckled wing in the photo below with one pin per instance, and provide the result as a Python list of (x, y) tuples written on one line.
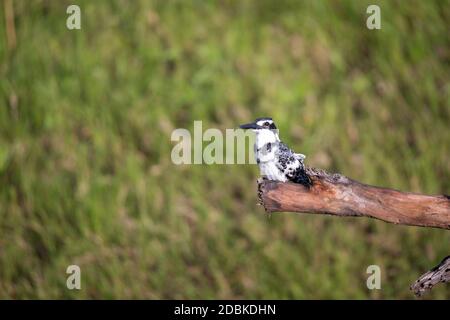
[(292, 165)]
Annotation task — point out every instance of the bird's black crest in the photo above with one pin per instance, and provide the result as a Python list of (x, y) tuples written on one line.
[(272, 125)]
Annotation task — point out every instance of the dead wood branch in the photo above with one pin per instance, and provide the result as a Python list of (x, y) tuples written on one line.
[(440, 273), (338, 195)]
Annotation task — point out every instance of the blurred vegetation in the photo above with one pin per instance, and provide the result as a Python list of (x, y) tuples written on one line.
[(85, 124)]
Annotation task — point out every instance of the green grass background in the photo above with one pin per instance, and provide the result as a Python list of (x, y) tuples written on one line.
[(86, 118)]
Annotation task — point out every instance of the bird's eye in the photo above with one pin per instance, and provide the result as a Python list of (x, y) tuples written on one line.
[(266, 123)]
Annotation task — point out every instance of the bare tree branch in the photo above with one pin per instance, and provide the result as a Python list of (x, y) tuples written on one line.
[(338, 195), (440, 273)]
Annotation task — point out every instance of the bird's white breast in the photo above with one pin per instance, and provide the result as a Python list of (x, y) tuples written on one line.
[(271, 172), (267, 159)]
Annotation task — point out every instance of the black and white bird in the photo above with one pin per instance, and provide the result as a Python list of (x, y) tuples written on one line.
[(275, 159)]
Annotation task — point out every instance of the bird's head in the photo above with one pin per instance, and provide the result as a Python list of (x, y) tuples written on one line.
[(264, 126), (260, 124)]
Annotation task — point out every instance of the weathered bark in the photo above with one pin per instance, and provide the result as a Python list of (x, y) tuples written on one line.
[(338, 195), (440, 273)]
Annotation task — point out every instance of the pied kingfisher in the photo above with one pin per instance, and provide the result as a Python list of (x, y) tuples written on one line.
[(276, 160)]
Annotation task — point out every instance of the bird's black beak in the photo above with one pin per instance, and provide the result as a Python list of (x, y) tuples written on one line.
[(250, 126)]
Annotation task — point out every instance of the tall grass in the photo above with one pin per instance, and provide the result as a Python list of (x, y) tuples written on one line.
[(85, 124)]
